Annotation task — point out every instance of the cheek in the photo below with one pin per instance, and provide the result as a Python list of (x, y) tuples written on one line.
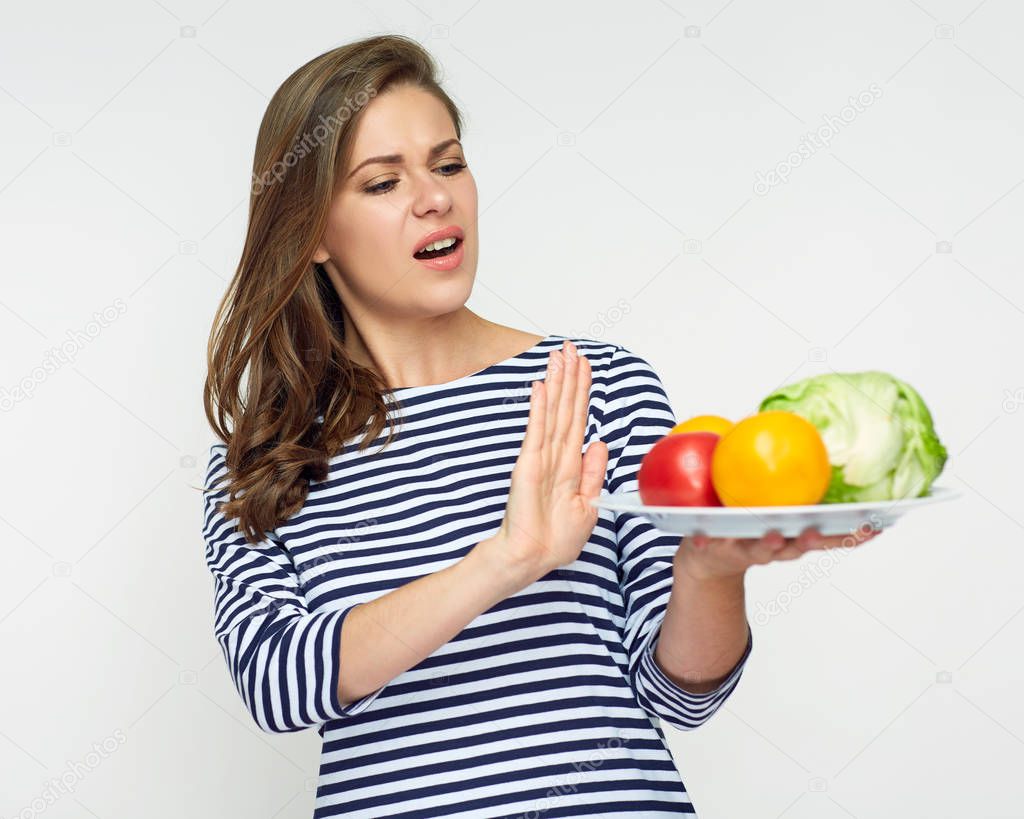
[(360, 233), (470, 192)]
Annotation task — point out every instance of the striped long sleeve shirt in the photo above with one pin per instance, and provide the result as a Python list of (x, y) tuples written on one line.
[(549, 704)]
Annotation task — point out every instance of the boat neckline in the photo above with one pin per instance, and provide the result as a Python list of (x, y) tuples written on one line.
[(485, 370)]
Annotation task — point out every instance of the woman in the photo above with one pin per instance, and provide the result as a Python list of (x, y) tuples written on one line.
[(507, 650)]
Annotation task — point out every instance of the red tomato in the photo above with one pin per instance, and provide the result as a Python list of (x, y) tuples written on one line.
[(676, 471)]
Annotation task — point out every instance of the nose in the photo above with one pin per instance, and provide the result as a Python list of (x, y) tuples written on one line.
[(432, 195)]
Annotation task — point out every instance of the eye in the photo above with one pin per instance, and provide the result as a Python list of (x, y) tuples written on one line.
[(379, 187), (449, 169)]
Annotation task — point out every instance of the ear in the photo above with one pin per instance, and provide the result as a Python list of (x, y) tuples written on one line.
[(321, 255)]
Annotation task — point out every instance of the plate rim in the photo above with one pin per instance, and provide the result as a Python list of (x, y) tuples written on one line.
[(936, 493)]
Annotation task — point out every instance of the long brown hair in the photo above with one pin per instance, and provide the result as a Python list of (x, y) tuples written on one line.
[(280, 325)]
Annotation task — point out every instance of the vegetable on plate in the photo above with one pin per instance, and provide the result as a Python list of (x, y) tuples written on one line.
[(879, 434)]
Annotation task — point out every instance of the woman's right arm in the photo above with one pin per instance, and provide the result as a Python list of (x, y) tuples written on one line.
[(547, 522), (295, 668), (392, 633)]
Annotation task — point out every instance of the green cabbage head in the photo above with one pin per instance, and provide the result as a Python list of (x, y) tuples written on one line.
[(879, 434)]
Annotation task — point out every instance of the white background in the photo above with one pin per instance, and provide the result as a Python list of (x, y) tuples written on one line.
[(616, 149)]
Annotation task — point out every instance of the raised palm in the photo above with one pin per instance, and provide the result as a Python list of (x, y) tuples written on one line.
[(548, 518)]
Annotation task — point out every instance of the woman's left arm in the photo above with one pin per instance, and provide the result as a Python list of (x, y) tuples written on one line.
[(705, 631)]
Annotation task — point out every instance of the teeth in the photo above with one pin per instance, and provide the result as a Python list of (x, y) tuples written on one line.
[(438, 245)]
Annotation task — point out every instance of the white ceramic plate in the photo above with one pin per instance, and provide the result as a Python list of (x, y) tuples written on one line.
[(755, 521)]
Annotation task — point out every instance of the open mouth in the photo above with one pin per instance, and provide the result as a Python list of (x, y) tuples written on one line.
[(436, 254)]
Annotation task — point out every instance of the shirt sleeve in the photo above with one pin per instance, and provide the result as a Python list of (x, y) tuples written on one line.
[(637, 414), (284, 659)]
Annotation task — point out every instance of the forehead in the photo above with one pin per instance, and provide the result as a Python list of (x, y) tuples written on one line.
[(404, 120)]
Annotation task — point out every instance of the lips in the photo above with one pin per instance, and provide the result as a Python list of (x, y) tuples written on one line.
[(438, 235), (445, 262)]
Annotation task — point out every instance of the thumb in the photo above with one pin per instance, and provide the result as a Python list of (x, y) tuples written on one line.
[(595, 462)]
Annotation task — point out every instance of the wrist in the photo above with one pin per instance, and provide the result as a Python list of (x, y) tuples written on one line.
[(503, 574), (686, 569)]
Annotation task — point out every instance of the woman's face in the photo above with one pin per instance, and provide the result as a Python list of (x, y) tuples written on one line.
[(382, 211)]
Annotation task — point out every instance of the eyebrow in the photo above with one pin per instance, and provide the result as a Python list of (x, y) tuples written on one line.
[(396, 159)]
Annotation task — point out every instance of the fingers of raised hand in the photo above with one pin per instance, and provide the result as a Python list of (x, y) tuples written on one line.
[(558, 403), (553, 392), (567, 398), (580, 410), (536, 420)]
